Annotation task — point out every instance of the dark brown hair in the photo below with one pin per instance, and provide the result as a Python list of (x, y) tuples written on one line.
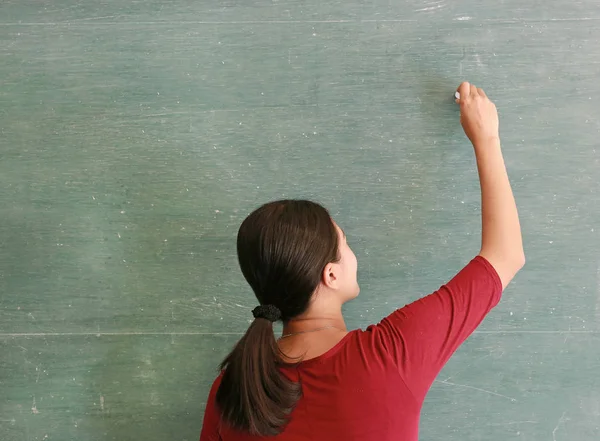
[(282, 247)]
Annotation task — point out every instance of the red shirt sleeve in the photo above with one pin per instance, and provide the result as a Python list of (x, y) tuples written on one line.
[(422, 336), (210, 426)]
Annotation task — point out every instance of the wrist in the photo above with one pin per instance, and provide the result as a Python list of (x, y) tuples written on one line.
[(486, 142)]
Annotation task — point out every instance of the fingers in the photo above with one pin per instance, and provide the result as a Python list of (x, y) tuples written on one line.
[(473, 91), (466, 90)]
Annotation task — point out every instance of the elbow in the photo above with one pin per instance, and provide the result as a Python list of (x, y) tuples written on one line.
[(507, 263), (512, 265), (515, 261), (520, 257), (520, 260)]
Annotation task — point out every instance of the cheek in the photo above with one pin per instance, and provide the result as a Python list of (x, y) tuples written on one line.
[(349, 262), (352, 262)]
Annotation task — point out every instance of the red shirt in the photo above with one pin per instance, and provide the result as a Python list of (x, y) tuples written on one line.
[(372, 384)]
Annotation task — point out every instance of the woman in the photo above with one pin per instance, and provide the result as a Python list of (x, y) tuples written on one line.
[(321, 382)]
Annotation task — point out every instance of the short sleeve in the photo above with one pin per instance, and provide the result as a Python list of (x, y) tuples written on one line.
[(423, 335), (210, 425)]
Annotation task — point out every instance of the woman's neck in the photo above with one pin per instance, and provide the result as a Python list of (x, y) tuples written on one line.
[(313, 324), (309, 337)]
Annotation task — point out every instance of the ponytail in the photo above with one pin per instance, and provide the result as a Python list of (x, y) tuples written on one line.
[(254, 396), (282, 247)]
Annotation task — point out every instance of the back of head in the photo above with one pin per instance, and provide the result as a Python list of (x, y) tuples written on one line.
[(282, 247)]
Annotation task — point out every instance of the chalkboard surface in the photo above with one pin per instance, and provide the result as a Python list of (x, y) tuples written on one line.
[(136, 136)]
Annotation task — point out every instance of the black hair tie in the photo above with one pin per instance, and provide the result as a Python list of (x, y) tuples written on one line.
[(269, 312)]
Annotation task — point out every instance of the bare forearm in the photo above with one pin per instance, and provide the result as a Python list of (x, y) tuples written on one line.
[(501, 241)]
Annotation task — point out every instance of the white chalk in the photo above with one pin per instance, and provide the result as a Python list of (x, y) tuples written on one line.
[(457, 95)]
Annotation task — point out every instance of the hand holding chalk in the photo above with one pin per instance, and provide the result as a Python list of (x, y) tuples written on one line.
[(478, 115)]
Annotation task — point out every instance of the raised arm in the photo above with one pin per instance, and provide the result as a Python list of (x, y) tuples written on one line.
[(422, 336), (501, 242)]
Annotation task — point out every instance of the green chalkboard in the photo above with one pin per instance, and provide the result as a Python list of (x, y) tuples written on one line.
[(136, 136)]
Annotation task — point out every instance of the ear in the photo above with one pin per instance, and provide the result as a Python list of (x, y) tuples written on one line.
[(330, 276)]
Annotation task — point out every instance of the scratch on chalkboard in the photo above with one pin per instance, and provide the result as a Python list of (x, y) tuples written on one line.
[(94, 18), (213, 308), (561, 420), (276, 22), (34, 408), (432, 6), (477, 388), (510, 423)]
